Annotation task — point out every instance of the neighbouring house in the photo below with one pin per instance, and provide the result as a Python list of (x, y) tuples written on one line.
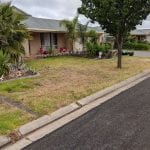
[(141, 34), (48, 34)]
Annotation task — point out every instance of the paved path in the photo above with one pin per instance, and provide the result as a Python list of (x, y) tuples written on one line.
[(142, 53), (123, 123)]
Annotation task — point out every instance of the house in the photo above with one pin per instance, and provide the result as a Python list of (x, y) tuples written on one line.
[(49, 35), (141, 34)]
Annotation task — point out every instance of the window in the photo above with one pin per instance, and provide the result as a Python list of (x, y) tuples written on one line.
[(42, 39), (49, 40), (54, 41), (55, 38)]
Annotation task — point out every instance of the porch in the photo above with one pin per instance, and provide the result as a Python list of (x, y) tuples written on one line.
[(46, 43)]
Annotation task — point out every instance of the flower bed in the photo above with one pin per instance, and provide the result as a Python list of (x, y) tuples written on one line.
[(17, 72)]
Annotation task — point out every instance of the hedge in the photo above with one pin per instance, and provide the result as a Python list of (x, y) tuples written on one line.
[(136, 46)]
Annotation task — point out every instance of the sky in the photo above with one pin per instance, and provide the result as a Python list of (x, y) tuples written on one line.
[(53, 9), (56, 9)]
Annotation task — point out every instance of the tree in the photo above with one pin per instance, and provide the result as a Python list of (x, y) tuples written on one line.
[(71, 26), (92, 34), (12, 33), (4, 68), (82, 33), (117, 17)]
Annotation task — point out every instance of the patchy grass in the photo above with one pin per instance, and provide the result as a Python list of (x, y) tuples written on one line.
[(64, 80), (16, 86), (11, 118)]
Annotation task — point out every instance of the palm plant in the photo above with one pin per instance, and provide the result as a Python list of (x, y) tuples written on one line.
[(92, 34), (82, 33), (4, 68), (12, 33), (71, 26)]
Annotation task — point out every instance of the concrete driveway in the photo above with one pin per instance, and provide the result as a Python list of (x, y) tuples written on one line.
[(142, 53), (122, 123)]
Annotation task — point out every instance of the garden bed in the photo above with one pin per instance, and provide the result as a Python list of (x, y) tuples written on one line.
[(17, 74)]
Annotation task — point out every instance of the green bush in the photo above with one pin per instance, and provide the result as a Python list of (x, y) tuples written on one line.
[(94, 49), (4, 68), (136, 46)]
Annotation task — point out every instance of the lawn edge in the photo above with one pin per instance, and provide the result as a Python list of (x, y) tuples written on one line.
[(49, 123), (95, 96), (27, 77)]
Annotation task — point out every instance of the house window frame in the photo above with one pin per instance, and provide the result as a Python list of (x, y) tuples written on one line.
[(53, 40)]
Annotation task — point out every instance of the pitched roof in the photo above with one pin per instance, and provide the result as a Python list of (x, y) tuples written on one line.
[(40, 24), (141, 32), (46, 25), (20, 11), (98, 29)]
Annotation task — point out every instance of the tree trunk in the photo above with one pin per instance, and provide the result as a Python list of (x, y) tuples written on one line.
[(73, 45), (119, 40)]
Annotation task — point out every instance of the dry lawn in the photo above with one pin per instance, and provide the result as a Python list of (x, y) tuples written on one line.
[(64, 80)]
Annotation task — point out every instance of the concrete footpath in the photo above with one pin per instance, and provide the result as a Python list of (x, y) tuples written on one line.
[(142, 53)]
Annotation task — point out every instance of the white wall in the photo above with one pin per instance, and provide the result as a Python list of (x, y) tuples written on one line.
[(26, 46), (78, 45), (148, 38), (101, 38)]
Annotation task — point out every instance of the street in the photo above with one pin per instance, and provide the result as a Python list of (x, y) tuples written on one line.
[(142, 53), (122, 123)]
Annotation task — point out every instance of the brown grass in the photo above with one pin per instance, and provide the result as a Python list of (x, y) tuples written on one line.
[(64, 80)]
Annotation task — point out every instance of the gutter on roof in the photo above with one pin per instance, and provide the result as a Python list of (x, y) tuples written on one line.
[(50, 30), (140, 33), (45, 30)]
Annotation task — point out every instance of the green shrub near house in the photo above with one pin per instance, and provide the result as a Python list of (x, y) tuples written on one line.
[(13, 32), (4, 68), (94, 49), (137, 46)]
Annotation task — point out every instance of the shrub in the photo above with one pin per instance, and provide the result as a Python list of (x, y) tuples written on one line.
[(136, 46), (94, 49), (93, 36), (4, 68)]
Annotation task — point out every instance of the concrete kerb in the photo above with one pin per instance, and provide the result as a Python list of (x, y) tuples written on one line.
[(49, 123), (68, 118), (36, 124), (39, 123), (108, 90), (4, 140), (18, 145)]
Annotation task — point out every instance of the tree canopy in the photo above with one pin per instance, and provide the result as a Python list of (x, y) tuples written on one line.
[(12, 32), (71, 25), (117, 17), (82, 32)]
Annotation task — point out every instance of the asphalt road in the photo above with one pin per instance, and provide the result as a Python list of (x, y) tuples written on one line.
[(122, 123)]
